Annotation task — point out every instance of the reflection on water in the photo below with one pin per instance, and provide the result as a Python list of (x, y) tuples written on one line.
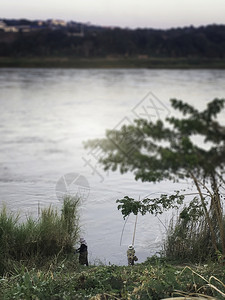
[(47, 113)]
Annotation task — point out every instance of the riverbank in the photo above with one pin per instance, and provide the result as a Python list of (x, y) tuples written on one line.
[(38, 261), (154, 279), (150, 63)]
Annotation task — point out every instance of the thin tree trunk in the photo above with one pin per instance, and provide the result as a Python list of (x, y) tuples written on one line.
[(216, 205), (206, 211), (219, 214)]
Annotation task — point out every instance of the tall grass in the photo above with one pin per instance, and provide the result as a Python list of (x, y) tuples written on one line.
[(52, 234), (190, 240)]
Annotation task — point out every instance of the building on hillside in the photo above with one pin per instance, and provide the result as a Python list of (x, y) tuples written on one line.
[(53, 22), (24, 28), (11, 29), (40, 23), (2, 25)]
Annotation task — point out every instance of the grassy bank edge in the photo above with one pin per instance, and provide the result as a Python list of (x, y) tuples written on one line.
[(150, 280), (38, 275), (150, 63)]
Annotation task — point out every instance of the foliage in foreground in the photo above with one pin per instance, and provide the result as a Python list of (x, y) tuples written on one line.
[(34, 242), (189, 239), (171, 150), (153, 279)]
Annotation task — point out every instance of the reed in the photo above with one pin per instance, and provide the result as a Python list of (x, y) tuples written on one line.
[(52, 234), (190, 240)]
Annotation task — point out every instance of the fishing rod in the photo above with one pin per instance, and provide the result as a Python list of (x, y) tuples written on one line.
[(135, 226)]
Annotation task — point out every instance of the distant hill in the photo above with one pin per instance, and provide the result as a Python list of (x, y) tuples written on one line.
[(22, 38)]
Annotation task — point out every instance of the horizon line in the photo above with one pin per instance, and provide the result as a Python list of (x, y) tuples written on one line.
[(89, 23)]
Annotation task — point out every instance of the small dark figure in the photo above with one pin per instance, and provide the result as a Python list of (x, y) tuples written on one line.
[(131, 257), (83, 257)]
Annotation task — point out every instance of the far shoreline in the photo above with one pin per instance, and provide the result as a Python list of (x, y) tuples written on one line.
[(112, 63)]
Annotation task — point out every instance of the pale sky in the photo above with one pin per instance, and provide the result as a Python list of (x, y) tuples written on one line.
[(123, 13)]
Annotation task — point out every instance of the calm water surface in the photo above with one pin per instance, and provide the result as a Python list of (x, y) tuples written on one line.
[(45, 116)]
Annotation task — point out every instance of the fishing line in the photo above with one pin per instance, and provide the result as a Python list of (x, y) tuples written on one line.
[(123, 230), (162, 223)]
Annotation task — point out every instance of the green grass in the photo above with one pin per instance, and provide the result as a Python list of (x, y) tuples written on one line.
[(190, 240), (114, 62), (38, 262), (33, 242), (154, 279)]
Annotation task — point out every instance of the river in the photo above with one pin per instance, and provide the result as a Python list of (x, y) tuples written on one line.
[(45, 116)]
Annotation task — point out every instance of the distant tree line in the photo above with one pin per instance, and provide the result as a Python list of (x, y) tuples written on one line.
[(205, 41)]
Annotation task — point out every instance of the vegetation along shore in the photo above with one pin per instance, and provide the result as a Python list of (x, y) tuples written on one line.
[(54, 43), (111, 62), (38, 262), (38, 259)]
